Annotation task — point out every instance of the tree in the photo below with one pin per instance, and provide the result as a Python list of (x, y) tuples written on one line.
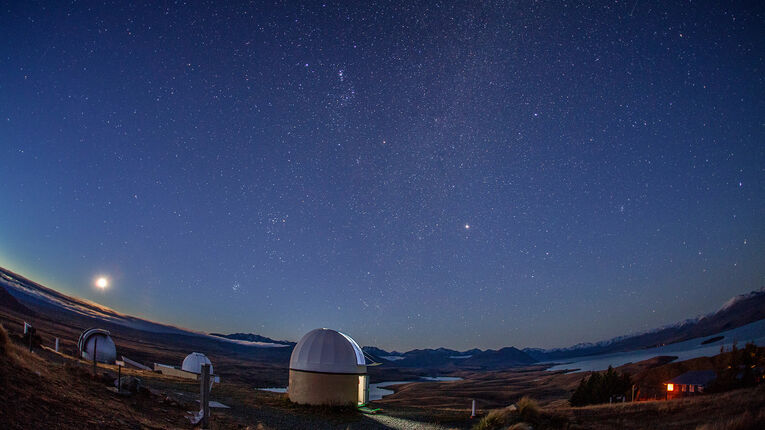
[(736, 368), (601, 388)]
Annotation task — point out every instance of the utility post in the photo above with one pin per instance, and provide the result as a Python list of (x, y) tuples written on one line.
[(204, 402)]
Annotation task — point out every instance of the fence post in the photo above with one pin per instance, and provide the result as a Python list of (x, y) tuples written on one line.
[(205, 395), (472, 414), (56, 344)]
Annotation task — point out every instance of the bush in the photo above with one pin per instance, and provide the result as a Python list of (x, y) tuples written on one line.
[(601, 388)]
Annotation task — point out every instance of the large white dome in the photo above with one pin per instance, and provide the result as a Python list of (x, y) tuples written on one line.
[(98, 341), (194, 361), (327, 351)]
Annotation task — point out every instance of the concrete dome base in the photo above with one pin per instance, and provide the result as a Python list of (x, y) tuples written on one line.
[(313, 388)]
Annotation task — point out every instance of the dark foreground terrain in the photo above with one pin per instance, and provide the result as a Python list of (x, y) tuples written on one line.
[(44, 389)]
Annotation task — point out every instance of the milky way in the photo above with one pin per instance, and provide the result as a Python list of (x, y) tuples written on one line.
[(413, 173)]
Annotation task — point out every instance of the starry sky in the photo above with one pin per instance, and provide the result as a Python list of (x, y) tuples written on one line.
[(414, 173)]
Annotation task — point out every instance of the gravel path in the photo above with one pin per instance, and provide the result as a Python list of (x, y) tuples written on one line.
[(404, 424)]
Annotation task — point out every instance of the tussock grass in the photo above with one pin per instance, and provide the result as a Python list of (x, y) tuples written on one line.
[(494, 419), (524, 414), (15, 356), (528, 409)]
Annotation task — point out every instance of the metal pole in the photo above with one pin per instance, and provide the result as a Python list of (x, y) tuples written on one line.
[(472, 414), (205, 394), (95, 351), (56, 344)]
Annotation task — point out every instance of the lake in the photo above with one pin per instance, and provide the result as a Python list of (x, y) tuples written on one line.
[(377, 391), (754, 332)]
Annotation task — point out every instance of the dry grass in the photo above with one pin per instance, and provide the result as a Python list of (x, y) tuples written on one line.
[(522, 415), (528, 409), (5, 342), (494, 419), (707, 410), (745, 421), (16, 356)]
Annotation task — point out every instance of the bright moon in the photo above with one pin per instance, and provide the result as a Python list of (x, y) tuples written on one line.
[(102, 282)]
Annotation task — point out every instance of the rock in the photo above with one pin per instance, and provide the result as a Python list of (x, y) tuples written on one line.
[(130, 384)]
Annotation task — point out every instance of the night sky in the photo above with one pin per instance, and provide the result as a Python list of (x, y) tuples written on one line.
[(416, 174)]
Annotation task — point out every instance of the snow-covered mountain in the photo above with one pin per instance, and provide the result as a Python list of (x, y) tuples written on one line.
[(736, 312)]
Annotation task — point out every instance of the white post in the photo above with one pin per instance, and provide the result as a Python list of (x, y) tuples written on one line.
[(26, 327), (56, 344), (472, 414)]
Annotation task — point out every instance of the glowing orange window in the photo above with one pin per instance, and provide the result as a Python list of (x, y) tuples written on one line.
[(670, 387)]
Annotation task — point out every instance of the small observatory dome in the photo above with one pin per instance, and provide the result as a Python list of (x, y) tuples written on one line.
[(194, 361), (98, 340), (328, 368)]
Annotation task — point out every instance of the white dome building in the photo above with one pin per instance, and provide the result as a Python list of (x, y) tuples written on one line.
[(194, 361), (328, 368), (97, 340)]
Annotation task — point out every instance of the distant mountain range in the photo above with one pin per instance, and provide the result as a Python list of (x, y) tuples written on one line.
[(445, 359), (8, 302), (23, 296), (736, 312), (26, 297)]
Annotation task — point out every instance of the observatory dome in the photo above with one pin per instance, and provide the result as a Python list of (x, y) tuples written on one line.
[(327, 351), (194, 361), (97, 341)]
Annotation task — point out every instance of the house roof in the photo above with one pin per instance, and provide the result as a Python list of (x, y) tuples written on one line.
[(694, 377)]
